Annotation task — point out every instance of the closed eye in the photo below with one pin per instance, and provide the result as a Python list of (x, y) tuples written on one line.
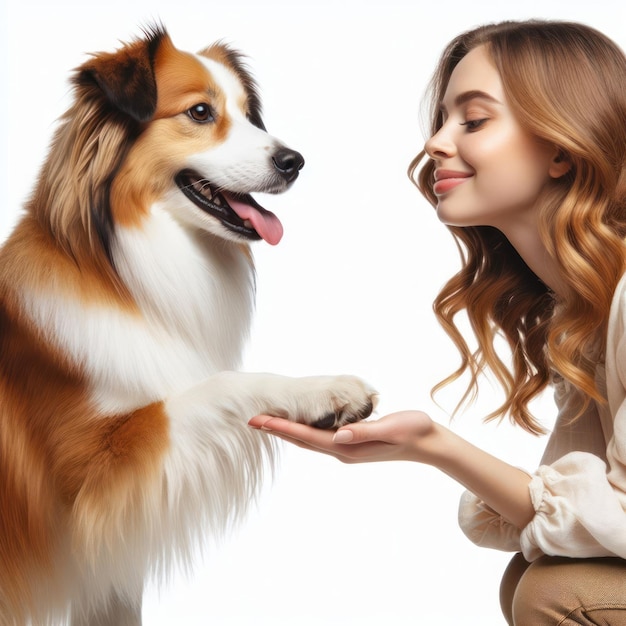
[(473, 125)]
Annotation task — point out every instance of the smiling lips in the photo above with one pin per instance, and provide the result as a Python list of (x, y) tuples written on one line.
[(445, 180)]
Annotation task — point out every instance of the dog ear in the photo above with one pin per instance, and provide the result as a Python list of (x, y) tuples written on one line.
[(126, 77)]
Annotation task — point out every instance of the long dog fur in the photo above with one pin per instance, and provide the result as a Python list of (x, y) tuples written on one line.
[(124, 307)]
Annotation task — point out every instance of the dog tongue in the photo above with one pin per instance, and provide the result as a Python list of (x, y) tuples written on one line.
[(264, 222)]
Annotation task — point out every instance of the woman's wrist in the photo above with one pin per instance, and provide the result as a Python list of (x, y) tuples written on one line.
[(432, 446)]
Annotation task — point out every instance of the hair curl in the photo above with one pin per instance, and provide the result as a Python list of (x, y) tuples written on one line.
[(565, 84)]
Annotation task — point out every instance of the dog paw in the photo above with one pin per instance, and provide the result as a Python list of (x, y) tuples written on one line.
[(333, 401)]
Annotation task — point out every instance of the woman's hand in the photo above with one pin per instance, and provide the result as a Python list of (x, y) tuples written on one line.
[(403, 436), (413, 436)]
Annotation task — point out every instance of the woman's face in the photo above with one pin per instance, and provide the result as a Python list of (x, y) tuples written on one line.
[(489, 171)]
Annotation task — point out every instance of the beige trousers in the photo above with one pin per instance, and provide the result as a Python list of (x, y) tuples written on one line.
[(556, 591)]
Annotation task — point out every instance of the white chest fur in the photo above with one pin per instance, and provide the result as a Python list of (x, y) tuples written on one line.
[(195, 297)]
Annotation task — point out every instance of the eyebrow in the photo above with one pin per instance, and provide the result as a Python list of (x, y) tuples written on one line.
[(467, 96)]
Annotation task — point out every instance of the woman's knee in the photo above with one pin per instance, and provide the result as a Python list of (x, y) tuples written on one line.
[(560, 591), (510, 580)]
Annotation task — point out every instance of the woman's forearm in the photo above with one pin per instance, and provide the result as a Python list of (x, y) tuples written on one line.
[(413, 436), (501, 486)]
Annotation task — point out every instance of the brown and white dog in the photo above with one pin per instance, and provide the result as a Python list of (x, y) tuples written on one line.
[(126, 293)]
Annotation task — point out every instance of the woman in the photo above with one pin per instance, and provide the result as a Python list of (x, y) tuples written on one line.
[(527, 167)]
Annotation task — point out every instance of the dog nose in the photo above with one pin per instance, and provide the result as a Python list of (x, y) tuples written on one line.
[(288, 163)]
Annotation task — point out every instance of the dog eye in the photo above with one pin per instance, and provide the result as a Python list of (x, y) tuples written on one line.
[(201, 113)]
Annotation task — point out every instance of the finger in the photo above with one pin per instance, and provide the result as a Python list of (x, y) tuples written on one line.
[(368, 451), (303, 436), (319, 438), (258, 420), (358, 433), (308, 438)]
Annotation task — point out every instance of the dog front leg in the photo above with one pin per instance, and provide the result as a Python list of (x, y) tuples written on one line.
[(323, 401), (215, 462)]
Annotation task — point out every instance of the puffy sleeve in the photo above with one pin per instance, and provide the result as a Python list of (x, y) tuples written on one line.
[(579, 491), (483, 526)]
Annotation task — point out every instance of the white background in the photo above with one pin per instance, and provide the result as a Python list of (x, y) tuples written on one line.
[(349, 289)]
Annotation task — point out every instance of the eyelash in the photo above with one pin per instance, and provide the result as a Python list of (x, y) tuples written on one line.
[(474, 125)]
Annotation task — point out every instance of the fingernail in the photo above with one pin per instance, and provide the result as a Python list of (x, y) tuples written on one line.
[(343, 436)]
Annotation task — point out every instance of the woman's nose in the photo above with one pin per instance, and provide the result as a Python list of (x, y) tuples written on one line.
[(440, 145)]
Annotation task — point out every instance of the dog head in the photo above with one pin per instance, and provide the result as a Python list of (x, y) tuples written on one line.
[(183, 131)]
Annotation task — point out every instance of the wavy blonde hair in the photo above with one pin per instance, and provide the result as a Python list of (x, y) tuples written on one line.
[(566, 84)]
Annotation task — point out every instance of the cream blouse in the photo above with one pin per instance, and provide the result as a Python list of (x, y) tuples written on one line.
[(579, 491)]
